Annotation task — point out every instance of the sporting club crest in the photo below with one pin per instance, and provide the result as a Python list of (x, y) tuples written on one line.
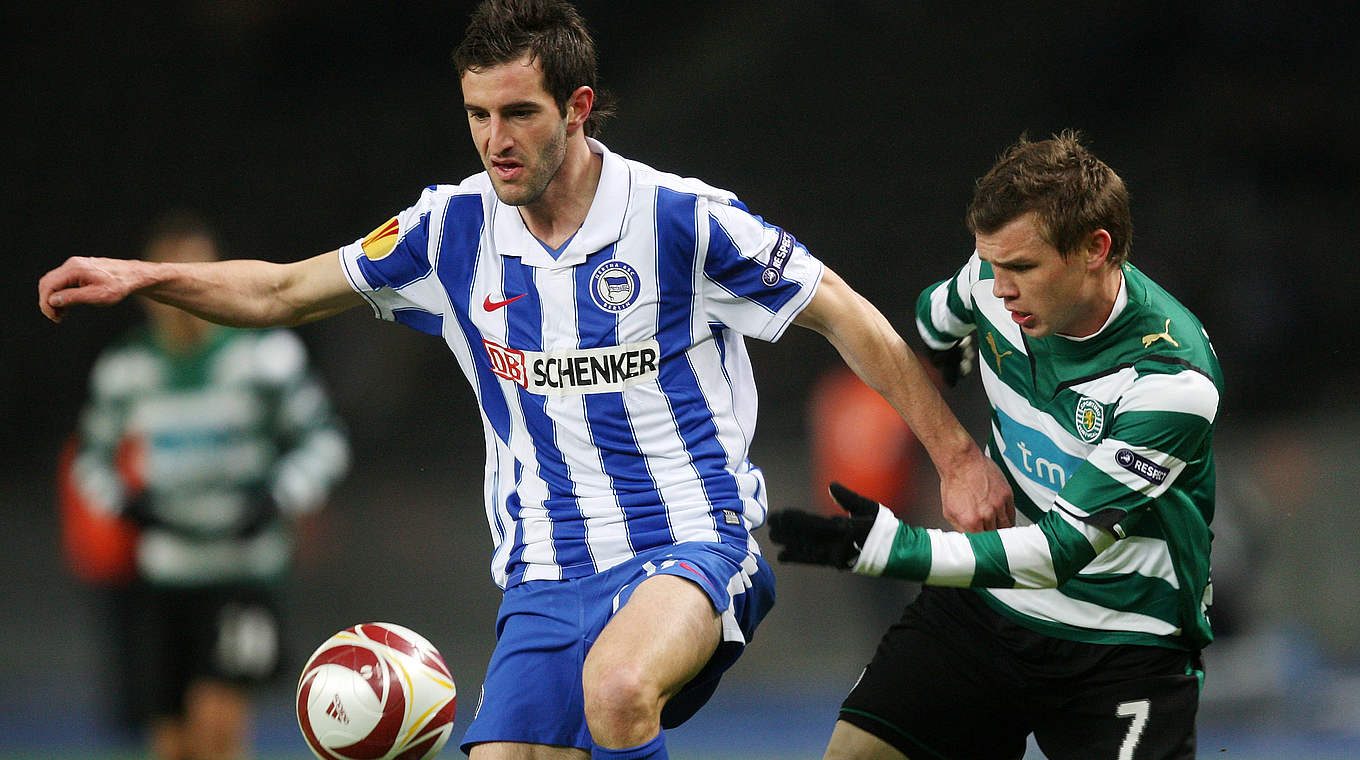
[(1090, 419)]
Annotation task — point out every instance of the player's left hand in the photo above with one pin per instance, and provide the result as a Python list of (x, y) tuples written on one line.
[(259, 513), (974, 496), (955, 362), (817, 540)]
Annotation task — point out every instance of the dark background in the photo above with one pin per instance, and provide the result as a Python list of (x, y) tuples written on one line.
[(298, 125)]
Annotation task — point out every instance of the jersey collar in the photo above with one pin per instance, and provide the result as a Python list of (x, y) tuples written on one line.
[(603, 224)]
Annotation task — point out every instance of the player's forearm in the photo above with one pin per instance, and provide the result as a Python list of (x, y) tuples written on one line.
[(874, 350), (974, 494), (1043, 555), (940, 432), (237, 293)]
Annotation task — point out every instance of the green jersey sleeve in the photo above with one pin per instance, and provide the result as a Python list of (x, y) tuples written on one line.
[(944, 311)]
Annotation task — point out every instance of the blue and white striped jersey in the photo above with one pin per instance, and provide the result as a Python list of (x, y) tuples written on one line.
[(617, 398)]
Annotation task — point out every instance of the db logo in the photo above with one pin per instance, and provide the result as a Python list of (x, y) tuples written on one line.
[(507, 363)]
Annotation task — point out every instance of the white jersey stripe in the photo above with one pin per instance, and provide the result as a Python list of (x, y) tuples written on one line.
[(1051, 605), (1028, 555), (1186, 392), (952, 562), (1149, 557)]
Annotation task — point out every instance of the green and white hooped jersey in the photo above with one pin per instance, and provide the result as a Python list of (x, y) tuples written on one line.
[(209, 431), (1107, 443)]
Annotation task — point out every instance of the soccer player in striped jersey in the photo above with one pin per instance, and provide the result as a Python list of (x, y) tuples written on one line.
[(1084, 625), (598, 309)]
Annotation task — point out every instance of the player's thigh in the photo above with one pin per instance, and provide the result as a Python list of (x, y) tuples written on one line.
[(234, 631), (939, 685), (663, 636), (156, 654), (1150, 718), (740, 590), (850, 742), (532, 690), (521, 751)]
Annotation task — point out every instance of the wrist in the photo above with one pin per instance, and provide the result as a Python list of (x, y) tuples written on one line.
[(874, 554), (954, 453)]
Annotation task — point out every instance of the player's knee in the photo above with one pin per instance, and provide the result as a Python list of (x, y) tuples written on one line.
[(850, 742), (619, 695)]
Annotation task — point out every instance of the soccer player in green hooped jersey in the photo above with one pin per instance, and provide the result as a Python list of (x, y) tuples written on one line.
[(213, 440), (1082, 625)]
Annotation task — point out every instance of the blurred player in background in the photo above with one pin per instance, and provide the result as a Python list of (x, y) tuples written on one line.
[(598, 308), (212, 441), (1083, 627)]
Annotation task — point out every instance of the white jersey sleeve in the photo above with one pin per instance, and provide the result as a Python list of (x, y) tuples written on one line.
[(757, 277), (393, 267)]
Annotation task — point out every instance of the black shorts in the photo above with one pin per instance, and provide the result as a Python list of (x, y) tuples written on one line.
[(955, 680), (172, 637)]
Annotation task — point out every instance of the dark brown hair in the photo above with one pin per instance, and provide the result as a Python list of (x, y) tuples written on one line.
[(1071, 192), (179, 224), (553, 33)]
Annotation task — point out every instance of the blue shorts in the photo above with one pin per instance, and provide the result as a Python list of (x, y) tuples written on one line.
[(532, 692)]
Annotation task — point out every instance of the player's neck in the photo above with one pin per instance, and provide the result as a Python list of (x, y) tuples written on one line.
[(1104, 296), (563, 207)]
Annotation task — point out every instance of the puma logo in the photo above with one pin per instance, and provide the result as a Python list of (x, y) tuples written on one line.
[(1165, 334), (991, 341)]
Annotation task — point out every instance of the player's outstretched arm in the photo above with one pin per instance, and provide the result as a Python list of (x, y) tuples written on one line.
[(974, 493), (869, 540), (240, 293)]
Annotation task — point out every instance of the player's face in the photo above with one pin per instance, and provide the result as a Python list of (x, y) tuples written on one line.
[(1044, 293), (520, 133)]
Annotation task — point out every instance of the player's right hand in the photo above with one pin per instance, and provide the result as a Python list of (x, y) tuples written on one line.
[(975, 496), (85, 280), (956, 361)]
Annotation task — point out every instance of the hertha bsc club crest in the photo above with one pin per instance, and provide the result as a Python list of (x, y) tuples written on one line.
[(614, 286), (1090, 419)]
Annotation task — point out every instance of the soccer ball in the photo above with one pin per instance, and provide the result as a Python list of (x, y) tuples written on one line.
[(377, 691)]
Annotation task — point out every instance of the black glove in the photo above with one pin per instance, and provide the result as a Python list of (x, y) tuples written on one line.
[(956, 361), (138, 510), (818, 540), (260, 512)]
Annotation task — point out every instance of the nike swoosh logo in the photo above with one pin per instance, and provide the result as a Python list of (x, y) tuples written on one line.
[(491, 305)]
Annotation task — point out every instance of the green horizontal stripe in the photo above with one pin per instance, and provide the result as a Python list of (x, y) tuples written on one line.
[(910, 555), (1179, 434), (1068, 547), (992, 569), (1126, 592), (1092, 489)]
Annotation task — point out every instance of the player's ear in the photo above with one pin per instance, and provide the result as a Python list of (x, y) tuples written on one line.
[(579, 104), (1097, 249)]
